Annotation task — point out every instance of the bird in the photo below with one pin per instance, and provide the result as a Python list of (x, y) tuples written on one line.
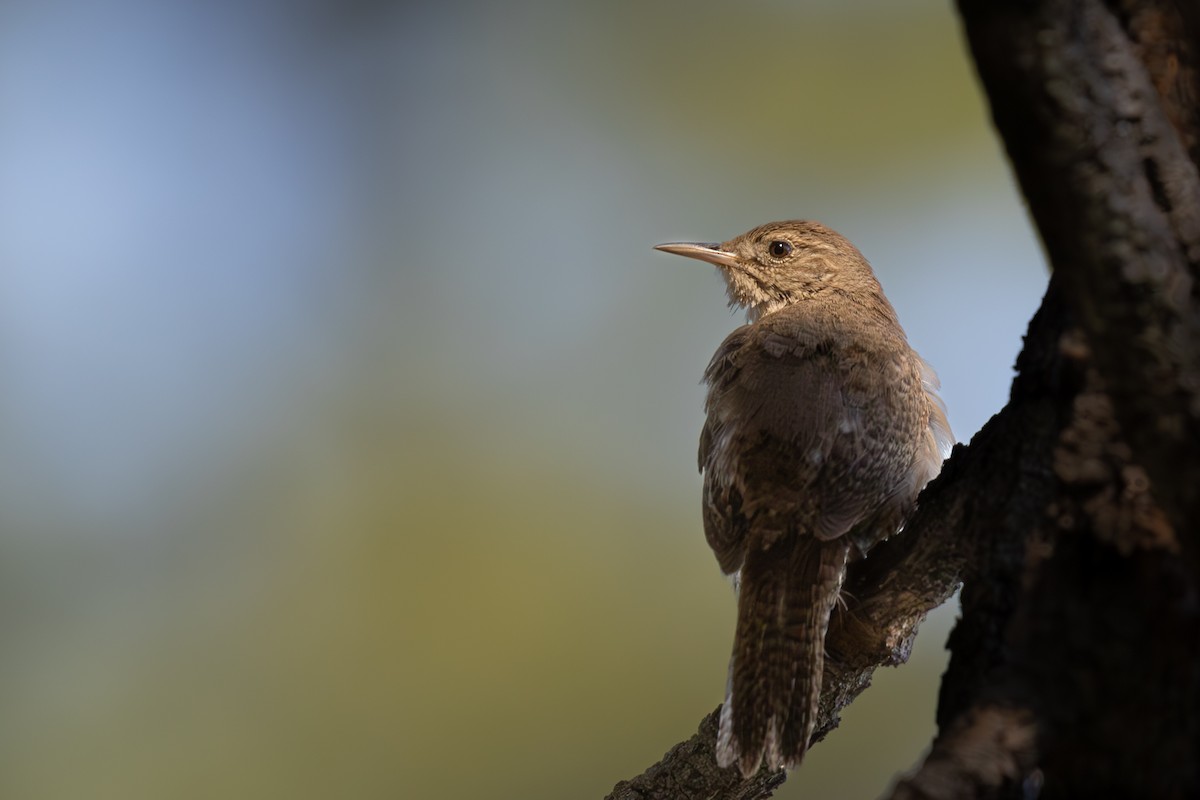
[(822, 425)]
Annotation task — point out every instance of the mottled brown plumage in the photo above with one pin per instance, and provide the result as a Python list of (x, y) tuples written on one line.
[(822, 426)]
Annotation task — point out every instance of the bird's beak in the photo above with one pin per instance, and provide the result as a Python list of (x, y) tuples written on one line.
[(712, 253)]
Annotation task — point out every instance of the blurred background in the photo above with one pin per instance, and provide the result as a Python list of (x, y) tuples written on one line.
[(348, 422)]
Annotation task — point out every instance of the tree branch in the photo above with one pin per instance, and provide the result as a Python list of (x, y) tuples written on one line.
[(984, 751), (888, 596), (1117, 201)]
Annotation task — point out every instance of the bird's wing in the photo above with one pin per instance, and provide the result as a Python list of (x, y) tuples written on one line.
[(724, 523), (776, 411)]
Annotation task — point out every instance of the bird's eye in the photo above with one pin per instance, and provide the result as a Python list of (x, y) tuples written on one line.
[(779, 248)]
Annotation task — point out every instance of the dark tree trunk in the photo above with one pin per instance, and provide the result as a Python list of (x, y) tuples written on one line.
[(1072, 517)]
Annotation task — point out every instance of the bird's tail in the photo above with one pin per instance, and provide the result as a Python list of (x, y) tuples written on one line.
[(787, 594)]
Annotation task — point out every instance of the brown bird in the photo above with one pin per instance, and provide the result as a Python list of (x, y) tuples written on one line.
[(822, 426)]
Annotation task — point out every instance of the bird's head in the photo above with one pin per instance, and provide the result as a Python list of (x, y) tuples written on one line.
[(783, 263)]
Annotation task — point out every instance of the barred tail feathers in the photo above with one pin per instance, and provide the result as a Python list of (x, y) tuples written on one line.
[(787, 594)]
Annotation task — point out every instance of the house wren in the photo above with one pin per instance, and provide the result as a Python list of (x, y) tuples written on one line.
[(822, 426)]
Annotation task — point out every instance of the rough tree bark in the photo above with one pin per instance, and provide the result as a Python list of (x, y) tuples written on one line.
[(1071, 518)]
